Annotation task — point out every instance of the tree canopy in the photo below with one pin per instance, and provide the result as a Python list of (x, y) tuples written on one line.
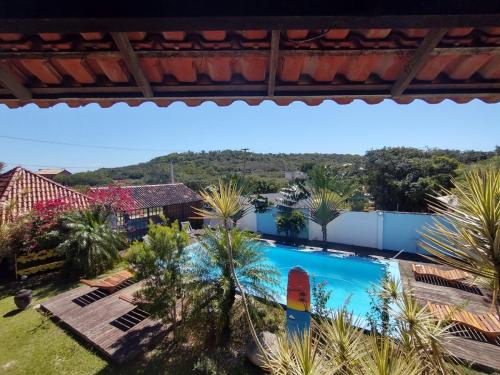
[(401, 179)]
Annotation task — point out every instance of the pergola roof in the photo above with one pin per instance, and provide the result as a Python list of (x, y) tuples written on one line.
[(165, 52)]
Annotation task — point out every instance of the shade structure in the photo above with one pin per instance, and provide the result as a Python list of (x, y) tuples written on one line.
[(228, 53)]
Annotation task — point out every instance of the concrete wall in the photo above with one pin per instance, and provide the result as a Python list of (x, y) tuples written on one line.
[(350, 228), (249, 221), (266, 224), (379, 229), (401, 230)]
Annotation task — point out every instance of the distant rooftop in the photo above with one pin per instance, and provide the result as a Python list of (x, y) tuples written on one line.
[(52, 171)]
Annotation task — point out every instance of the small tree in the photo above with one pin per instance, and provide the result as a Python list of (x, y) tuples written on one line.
[(291, 222), (160, 262), (324, 206)]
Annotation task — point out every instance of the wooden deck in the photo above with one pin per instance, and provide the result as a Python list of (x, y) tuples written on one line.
[(482, 354), (112, 325)]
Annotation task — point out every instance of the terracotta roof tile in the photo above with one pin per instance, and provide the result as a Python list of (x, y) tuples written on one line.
[(22, 189), (341, 65), (161, 195)]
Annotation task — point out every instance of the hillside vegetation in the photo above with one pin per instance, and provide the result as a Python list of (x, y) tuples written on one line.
[(397, 178), (199, 169)]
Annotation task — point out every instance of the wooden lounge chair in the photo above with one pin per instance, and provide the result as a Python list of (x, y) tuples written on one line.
[(451, 276), (109, 283), (487, 324)]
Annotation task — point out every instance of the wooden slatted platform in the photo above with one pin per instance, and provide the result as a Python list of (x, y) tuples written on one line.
[(484, 354), (93, 322)]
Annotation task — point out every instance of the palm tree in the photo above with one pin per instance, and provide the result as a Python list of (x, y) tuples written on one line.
[(225, 203), (466, 236), (89, 244), (214, 276), (324, 206)]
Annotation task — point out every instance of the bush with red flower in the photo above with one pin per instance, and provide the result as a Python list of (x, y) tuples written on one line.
[(112, 198), (45, 217)]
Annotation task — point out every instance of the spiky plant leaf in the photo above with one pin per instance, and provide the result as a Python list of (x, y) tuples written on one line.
[(467, 234)]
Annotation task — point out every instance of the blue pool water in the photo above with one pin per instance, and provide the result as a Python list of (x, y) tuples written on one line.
[(348, 277)]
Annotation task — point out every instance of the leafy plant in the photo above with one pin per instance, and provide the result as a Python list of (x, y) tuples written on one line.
[(320, 297), (380, 302), (14, 236), (290, 222), (467, 235), (89, 244)]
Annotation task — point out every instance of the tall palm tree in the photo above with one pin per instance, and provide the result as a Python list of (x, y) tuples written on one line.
[(467, 234), (89, 244), (324, 206), (225, 203), (213, 273)]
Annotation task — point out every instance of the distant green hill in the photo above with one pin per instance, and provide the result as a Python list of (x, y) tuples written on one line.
[(199, 169)]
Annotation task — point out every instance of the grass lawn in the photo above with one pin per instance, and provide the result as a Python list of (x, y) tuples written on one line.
[(33, 344)]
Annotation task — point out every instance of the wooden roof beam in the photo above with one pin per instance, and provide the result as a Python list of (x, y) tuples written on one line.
[(10, 82), (122, 42), (418, 60), (273, 61)]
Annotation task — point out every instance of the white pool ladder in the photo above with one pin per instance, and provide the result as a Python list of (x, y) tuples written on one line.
[(395, 256)]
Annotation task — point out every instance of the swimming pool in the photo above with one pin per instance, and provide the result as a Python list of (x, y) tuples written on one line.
[(348, 277)]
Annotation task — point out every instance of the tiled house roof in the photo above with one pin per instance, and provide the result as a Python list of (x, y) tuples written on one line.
[(227, 65), (161, 195), (21, 189)]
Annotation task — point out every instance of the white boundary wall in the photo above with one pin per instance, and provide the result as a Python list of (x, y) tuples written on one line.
[(352, 228), (378, 229), (249, 221)]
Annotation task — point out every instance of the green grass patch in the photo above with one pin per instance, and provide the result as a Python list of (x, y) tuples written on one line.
[(33, 344)]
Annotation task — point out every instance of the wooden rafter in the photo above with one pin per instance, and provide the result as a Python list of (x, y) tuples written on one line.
[(273, 61), (438, 51), (303, 91), (122, 42), (417, 61), (10, 82)]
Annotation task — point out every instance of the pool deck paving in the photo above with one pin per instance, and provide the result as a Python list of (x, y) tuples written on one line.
[(484, 355)]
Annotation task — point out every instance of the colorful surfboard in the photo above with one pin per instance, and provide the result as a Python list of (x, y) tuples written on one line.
[(298, 302)]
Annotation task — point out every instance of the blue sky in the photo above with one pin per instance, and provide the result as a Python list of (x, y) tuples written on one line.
[(329, 128)]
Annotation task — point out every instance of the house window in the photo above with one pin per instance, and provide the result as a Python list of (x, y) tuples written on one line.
[(119, 219), (135, 214), (155, 211)]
